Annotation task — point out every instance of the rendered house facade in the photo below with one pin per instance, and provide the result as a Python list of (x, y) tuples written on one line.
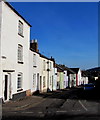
[(47, 73), (60, 77), (14, 53), (55, 79), (34, 68)]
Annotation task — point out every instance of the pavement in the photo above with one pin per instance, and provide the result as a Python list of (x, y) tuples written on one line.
[(22, 103)]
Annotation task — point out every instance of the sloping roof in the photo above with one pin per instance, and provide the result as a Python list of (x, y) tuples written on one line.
[(43, 56), (9, 5), (69, 71), (52, 59), (59, 68), (75, 69)]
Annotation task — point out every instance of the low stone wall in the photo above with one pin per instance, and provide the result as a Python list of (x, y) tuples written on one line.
[(19, 95)]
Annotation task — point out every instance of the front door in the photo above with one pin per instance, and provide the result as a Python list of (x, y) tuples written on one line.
[(40, 83), (6, 88)]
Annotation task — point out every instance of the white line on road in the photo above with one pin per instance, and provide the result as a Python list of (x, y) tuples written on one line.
[(61, 111), (27, 112), (83, 105), (40, 112)]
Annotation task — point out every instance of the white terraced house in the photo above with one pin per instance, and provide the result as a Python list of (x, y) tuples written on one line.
[(14, 53), (34, 67), (47, 73)]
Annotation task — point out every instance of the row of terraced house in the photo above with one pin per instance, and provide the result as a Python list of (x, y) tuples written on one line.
[(23, 69)]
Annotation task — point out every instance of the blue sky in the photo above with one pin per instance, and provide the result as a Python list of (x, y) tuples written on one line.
[(67, 31)]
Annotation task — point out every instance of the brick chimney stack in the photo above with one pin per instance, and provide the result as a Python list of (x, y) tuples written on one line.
[(34, 45)]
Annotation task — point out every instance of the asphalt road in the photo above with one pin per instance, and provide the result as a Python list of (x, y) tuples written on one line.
[(69, 104)]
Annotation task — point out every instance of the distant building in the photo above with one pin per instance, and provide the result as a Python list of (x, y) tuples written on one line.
[(65, 75), (71, 78), (60, 77), (84, 77), (78, 76)]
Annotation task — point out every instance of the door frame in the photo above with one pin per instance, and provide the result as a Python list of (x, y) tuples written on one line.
[(7, 87)]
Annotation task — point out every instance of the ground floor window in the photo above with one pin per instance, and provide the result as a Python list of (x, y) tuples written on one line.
[(50, 80), (44, 82), (19, 81), (34, 80)]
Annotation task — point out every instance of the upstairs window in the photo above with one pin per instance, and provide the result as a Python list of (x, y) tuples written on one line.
[(20, 28), (50, 65), (44, 63), (20, 53), (34, 60)]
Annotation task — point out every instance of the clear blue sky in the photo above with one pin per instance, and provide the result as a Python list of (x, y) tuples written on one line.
[(66, 31)]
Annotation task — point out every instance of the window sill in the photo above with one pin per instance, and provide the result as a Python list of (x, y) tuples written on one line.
[(20, 35), (19, 90), (20, 62)]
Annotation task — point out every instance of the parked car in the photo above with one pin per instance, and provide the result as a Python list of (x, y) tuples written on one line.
[(89, 86)]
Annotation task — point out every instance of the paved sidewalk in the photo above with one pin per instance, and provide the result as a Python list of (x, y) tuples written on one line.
[(21, 103)]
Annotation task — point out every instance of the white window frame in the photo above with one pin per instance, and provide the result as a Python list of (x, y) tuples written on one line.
[(44, 65), (34, 80), (19, 80), (44, 82), (20, 53), (20, 28), (50, 65), (34, 60)]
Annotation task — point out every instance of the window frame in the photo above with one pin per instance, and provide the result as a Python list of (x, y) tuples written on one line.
[(20, 28), (44, 65), (20, 54), (34, 60), (44, 82), (19, 77), (34, 80)]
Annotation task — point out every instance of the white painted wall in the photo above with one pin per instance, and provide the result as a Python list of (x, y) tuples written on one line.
[(43, 73), (0, 51), (79, 77), (85, 80), (9, 46), (55, 79), (51, 75), (65, 79), (48, 75), (34, 70)]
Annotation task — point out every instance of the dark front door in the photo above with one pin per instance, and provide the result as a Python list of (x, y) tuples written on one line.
[(6, 87), (40, 83)]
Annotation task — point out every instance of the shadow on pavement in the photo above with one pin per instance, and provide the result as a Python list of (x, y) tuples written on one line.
[(74, 93)]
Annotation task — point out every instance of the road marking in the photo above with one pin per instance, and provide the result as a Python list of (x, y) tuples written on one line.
[(83, 105), (40, 112), (27, 112), (61, 111)]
